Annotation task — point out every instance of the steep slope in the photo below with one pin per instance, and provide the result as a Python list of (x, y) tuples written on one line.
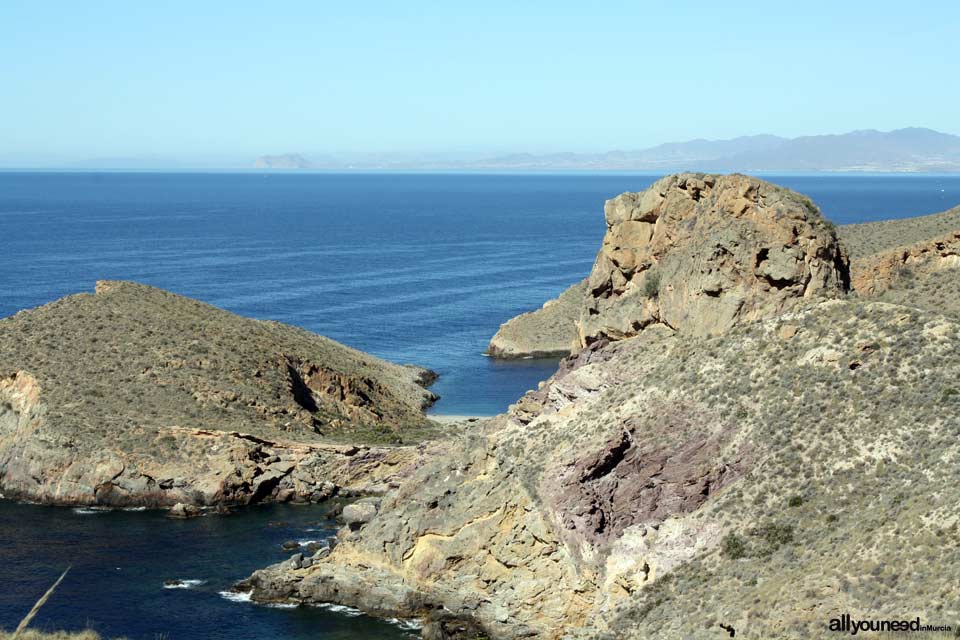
[(768, 479), (134, 395), (549, 331)]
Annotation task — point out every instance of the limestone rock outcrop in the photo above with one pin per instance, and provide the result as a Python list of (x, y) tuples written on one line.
[(134, 396), (547, 332), (702, 253)]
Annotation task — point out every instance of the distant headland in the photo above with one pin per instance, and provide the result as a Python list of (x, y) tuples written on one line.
[(910, 150)]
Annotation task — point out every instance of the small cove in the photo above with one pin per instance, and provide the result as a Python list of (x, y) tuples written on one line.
[(121, 559)]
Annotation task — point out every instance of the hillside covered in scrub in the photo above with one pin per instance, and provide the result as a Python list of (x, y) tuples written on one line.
[(136, 396), (786, 458)]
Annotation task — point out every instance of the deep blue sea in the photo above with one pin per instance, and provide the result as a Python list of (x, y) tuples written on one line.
[(416, 268)]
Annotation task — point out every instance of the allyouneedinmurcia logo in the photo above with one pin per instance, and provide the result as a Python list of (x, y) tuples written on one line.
[(848, 624)]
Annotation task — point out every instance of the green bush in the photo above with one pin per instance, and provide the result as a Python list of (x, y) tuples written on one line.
[(651, 285), (733, 546)]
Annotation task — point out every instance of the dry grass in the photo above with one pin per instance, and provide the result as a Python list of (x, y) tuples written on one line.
[(136, 358)]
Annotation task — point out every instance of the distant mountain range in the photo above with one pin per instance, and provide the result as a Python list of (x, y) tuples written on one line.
[(902, 150)]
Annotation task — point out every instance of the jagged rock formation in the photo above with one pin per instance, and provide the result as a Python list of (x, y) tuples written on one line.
[(137, 396), (698, 253), (701, 253), (546, 332), (732, 449), (767, 479)]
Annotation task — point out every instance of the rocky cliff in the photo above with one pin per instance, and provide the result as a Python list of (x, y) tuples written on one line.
[(546, 332), (762, 464), (137, 396), (698, 253)]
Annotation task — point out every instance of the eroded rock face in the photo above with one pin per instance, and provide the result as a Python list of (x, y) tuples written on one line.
[(633, 479), (875, 274), (701, 253)]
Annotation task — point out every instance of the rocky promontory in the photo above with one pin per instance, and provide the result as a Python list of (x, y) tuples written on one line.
[(136, 396), (697, 253), (544, 333), (755, 452), (766, 479)]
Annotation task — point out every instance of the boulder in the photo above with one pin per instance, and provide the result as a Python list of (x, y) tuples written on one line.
[(359, 513), (183, 511)]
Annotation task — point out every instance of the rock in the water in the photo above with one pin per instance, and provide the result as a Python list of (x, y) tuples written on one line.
[(296, 561), (183, 511), (290, 545), (547, 332)]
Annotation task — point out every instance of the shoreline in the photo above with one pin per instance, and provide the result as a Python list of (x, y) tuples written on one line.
[(455, 418)]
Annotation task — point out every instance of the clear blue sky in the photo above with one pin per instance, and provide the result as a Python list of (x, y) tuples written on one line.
[(133, 78)]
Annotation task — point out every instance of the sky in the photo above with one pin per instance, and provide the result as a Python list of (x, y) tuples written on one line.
[(240, 78)]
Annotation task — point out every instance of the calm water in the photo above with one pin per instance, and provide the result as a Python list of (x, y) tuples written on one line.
[(414, 268)]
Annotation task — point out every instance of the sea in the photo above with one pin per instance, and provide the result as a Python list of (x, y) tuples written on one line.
[(416, 268)]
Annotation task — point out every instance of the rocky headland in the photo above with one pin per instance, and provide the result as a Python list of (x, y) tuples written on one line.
[(134, 396), (283, 161), (696, 253), (745, 445), (544, 333)]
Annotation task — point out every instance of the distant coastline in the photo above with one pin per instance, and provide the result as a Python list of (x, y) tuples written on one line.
[(903, 151)]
